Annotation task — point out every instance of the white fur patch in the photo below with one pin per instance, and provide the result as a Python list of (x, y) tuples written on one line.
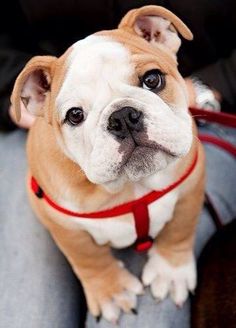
[(121, 294), (120, 231), (164, 278), (126, 301)]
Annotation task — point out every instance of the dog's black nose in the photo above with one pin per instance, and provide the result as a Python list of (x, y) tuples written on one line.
[(124, 121)]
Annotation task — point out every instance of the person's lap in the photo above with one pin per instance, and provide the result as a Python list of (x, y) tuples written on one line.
[(37, 286)]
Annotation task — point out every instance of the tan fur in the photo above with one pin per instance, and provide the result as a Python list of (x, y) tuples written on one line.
[(44, 63), (138, 45), (145, 56), (128, 21), (98, 271), (175, 241)]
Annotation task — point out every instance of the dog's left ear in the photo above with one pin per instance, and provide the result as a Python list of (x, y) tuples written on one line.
[(157, 25), (33, 85)]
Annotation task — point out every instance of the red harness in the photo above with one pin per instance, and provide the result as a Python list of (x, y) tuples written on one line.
[(139, 207)]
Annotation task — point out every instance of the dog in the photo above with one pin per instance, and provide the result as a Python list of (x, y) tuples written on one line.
[(113, 126)]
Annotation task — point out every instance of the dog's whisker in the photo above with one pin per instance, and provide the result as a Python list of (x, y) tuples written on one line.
[(203, 115)]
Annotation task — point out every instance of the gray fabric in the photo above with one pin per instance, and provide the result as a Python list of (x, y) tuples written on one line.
[(37, 287)]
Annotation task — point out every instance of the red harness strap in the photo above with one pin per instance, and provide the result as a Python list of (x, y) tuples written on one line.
[(138, 207)]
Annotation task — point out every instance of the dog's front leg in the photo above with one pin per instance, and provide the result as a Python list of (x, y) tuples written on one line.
[(171, 264), (108, 286)]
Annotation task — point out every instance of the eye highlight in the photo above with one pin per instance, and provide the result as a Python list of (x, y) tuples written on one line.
[(153, 80), (74, 116)]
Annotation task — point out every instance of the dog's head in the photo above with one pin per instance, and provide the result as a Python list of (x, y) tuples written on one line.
[(115, 100)]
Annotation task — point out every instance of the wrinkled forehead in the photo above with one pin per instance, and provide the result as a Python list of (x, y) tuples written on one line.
[(93, 64), (141, 50), (111, 57), (95, 54), (108, 46)]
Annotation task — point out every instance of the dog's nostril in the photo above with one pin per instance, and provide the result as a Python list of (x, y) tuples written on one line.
[(114, 124), (134, 116)]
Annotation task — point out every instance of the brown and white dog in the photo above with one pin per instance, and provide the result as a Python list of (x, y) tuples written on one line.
[(113, 125)]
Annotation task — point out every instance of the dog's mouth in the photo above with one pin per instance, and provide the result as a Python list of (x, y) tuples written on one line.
[(140, 159), (140, 145), (142, 151)]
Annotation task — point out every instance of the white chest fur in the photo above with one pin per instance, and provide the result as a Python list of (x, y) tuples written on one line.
[(120, 231)]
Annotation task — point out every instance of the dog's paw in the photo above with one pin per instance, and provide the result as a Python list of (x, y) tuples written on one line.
[(109, 293), (164, 278)]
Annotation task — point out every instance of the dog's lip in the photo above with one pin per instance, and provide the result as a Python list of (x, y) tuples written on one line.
[(156, 147), (150, 144), (166, 150)]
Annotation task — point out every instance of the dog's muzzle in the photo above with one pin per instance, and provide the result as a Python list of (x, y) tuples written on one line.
[(125, 122)]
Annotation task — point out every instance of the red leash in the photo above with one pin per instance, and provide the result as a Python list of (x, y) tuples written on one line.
[(227, 146), (139, 207), (216, 117), (226, 119)]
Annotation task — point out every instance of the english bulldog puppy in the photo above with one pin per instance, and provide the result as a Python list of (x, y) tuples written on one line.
[(113, 125)]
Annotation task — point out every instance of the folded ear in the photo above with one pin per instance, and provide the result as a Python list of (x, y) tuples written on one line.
[(157, 25), (32, 85)]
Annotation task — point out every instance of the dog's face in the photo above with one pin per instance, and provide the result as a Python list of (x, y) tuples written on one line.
[(116, 100)]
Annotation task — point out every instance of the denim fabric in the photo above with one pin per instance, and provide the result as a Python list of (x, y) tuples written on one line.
[(37, 286)]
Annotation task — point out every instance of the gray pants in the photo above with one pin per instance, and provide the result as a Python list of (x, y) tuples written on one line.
[(37, 286)]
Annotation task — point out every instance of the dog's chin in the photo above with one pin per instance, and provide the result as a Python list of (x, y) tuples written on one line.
[(142, 162), (146, 161), (139, 162)]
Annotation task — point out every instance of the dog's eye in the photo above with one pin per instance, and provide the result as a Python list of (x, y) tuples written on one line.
[(74, 116), (153, 80)]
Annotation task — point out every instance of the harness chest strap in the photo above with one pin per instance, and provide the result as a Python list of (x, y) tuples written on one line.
[(138, 207)]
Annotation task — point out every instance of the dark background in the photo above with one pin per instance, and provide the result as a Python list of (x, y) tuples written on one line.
[(34, 27)]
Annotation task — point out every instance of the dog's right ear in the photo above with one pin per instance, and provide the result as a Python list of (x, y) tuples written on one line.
[(32, 86), (157, 25)]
